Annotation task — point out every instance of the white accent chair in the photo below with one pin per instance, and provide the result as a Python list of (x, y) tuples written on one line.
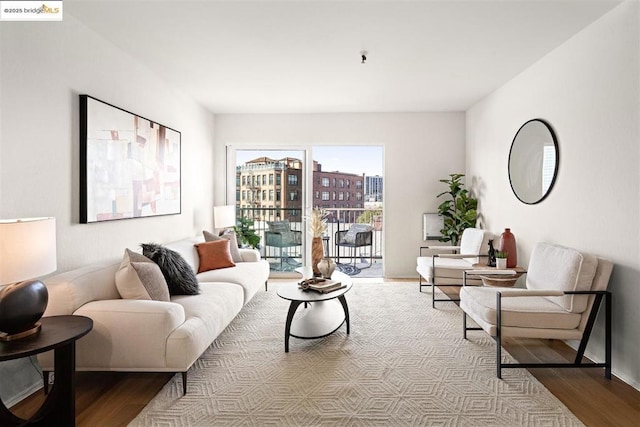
[(445, 268), (564, 290)]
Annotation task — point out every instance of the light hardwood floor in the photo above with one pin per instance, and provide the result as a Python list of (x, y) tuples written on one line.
[(114, 399)]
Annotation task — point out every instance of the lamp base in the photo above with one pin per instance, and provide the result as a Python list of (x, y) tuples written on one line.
[(12, 337)]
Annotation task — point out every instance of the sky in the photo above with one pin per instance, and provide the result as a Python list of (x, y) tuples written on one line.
[(343, 158)]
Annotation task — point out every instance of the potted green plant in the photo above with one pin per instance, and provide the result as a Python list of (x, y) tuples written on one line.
[(245, 233), (501, 260), (459, 212)]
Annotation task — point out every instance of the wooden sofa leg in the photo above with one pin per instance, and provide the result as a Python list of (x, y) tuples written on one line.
[(45, 382), (184, 383)]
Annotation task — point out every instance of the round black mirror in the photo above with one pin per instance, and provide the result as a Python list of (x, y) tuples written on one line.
[(533, 161)]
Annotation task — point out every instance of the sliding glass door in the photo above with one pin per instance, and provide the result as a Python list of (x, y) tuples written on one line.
[(269, 194), (347, 184), (275, 190)]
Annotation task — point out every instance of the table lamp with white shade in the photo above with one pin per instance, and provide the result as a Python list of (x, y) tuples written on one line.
[(27, 251), (224, 217)]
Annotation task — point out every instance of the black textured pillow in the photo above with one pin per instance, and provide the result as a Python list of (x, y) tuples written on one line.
[(179, 276)]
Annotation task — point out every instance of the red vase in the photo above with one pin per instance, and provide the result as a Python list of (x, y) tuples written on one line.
[(508, 245)]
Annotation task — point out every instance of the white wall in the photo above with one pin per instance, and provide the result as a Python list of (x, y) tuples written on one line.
[(419, 149), (44, 68), (588, 90)]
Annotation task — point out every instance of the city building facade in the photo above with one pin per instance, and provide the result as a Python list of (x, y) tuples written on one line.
[(271, 189), (373, 188)]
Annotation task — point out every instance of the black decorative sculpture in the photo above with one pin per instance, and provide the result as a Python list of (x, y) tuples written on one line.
[(492, 255)]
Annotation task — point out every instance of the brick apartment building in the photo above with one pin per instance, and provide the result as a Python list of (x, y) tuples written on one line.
[(270, 189)]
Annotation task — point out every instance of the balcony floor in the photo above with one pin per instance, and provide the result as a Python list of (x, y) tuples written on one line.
[(290, 264)]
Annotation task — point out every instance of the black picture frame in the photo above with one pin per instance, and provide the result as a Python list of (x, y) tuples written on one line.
[(130, 166)]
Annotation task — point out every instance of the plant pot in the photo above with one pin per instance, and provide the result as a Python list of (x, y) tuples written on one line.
[(501, 263)]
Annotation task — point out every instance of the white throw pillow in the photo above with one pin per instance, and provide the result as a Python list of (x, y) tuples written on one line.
[(140, 278)]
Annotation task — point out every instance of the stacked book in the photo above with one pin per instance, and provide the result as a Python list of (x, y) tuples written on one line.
[(321, 285)]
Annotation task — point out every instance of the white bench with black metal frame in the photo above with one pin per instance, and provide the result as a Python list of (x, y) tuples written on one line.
[(565, 290)]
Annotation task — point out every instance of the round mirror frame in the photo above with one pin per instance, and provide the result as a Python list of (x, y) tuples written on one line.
[(557, 161)]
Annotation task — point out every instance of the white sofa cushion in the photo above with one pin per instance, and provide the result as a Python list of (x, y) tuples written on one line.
[(522, 312), (186, 248), (206, 316), (251, 276), (558, 268)]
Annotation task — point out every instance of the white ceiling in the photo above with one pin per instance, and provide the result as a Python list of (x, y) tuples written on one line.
[(304, 56)]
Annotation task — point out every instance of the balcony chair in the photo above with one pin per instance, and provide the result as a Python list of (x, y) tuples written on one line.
[(449, 267), (564, 291), (280, 235), (357, 236)]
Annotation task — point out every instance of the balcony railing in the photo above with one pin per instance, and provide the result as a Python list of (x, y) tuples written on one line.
[(339, 219)]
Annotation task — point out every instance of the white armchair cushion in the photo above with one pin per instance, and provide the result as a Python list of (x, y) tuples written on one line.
[(475, 241), (445, 267), (525, 312), (554, 267)]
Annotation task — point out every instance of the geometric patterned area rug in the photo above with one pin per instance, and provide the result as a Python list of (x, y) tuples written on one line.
[(403, 364)]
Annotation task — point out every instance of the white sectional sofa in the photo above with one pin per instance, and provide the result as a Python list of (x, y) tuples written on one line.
[(147, 335)]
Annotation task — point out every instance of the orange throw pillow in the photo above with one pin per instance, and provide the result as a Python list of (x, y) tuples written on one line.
[(214, 255)]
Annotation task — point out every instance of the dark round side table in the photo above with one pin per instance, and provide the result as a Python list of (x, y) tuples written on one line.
[(59, 333)]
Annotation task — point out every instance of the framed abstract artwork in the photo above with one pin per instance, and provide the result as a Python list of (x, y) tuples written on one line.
[(129, 165)]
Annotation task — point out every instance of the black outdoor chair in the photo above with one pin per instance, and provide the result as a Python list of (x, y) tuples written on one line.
[(357, 236)]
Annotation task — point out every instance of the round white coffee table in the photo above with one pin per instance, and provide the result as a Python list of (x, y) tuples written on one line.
[(321, 314)]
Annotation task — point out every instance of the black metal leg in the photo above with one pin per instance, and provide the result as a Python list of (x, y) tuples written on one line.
[(343, 301), (287, 327), (266, 283), (45, 382), (184, 383), (499, 334), (433, 294), (607, 359), (464, 325)]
